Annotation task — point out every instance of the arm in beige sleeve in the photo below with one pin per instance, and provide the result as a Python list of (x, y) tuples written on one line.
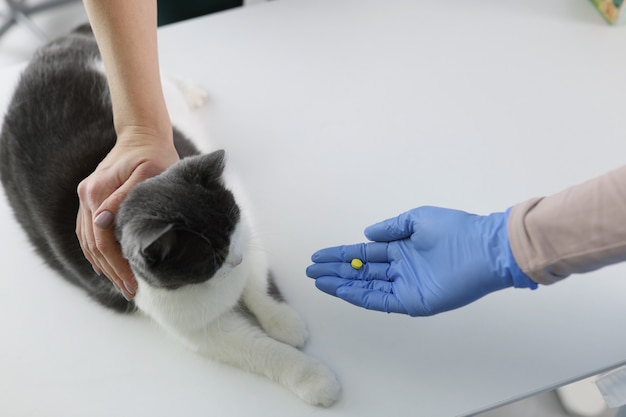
[(579, 229)]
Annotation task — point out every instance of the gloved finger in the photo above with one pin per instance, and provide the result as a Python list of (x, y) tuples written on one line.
[(369, 271), (396, 228), (330, 285), (366, 252), (371, 299)]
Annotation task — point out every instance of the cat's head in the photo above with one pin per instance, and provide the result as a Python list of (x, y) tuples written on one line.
[(177, 228)]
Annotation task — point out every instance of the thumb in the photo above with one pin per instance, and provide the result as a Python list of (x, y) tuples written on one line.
[(396, 228)]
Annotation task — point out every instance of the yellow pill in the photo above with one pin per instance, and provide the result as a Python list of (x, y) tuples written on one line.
[(356, 263)]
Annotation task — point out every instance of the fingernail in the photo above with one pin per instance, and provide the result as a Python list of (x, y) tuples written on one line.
[(130, 289), (104, 219), (97, 270), (117, 287)]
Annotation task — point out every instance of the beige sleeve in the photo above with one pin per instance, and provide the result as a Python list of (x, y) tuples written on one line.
[(580, 229)]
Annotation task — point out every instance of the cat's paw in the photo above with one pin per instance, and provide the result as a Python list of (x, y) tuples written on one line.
[(317, 385), (285, 325), (195, 95)]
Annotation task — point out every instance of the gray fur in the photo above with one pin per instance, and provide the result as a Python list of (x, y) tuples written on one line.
[(202, 275), (58, 127), (175, 228)]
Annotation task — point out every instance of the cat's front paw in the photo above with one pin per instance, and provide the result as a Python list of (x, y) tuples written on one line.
[(195, 95), (317, 385), (286, 325)]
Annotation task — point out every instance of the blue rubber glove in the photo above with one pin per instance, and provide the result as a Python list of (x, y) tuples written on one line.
[(423, 262)]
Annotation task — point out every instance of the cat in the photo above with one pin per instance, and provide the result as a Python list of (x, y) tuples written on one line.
[(201, 272)]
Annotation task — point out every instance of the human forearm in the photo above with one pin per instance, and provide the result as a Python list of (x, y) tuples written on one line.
[(577, 230), (126, 35)]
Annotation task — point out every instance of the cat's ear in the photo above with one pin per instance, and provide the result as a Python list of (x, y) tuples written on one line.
[(216, 161), (156, 242), (174, 245), (205, 168)]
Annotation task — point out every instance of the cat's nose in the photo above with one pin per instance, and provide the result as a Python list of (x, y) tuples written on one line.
[(234, 259)]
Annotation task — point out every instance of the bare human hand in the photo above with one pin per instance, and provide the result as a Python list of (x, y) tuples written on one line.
[(138, 154)]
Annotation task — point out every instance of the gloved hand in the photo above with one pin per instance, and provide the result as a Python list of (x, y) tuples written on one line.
[(423, 262)]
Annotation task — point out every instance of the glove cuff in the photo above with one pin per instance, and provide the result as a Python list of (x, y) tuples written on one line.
[(519, 278)]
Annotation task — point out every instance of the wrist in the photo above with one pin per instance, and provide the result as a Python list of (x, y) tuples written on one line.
[(140, 133), (145, 117), (519, 279)]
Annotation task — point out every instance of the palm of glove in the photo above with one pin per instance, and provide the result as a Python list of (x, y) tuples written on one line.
[(423, 262)]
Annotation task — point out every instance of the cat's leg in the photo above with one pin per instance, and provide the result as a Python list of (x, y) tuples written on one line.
[(262, 297), (195, 95), (234, 340), (274, 315)]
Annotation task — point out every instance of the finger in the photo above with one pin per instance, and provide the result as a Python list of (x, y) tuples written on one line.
[(96, 234), (371, 299), (82, 233), (373, 295), (396, 228), (109, 246), (331, 285), (114, 265), (366, 252), (89, 198), (369, 271), (90, 244)]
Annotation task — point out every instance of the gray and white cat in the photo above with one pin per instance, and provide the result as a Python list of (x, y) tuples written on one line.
[(202, 274)]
